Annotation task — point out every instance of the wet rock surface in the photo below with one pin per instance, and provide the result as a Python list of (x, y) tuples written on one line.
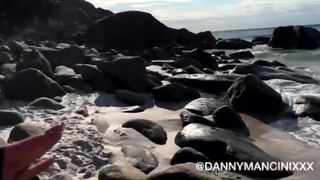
[(206, 106), (223, 146), (149, 129)]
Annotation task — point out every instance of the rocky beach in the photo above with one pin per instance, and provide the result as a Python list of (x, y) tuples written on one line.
[(144, 101)]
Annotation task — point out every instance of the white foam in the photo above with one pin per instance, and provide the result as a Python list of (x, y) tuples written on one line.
[(309, 129)]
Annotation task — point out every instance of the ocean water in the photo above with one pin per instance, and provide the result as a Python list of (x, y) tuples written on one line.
[(305, 61)]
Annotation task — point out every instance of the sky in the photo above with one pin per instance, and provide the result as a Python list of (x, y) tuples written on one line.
[(218, 15)]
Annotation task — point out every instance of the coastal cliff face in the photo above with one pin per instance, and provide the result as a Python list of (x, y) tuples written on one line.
[(135, 93)]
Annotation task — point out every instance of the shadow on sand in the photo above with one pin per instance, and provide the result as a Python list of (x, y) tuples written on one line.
[(282, 123), (107, 100)]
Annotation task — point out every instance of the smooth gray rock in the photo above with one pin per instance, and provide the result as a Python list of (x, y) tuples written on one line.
[(116, 172), (140, 158), (151, 130), (206, 106), (24, 130)]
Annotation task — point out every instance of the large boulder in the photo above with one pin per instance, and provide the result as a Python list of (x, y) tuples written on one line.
[(221, 145), (149, 129), (128, 70), (10, 118), (295, 37), (187, 154), (24, 130), (175, 92), (208, 39), (233, 44), (32, 58), (251, 94), (204, 58), (206, 106), (258, 40), (30, 84), (139, 29)]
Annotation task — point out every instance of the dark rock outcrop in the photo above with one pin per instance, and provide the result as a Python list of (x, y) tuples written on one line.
[(251, 94), (295, 37), (140, 31), (220, 145), (175, 92), (30, 84), (233, 44), (149, 129), (204, 58), (267, 73)]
